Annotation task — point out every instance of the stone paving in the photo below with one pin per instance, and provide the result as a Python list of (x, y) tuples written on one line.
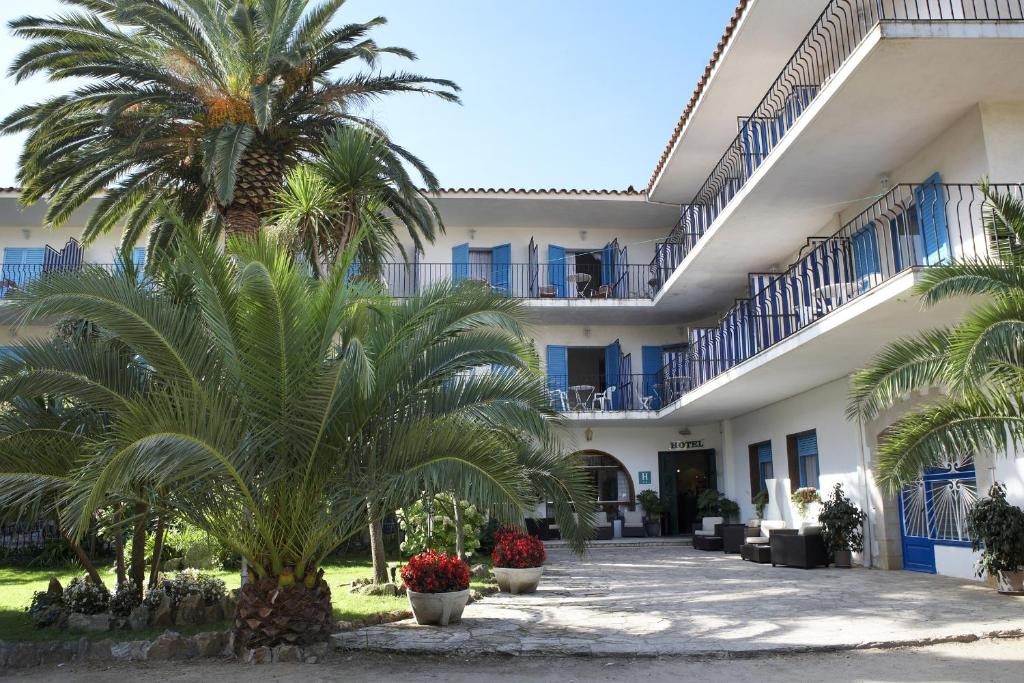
[(651, 601)]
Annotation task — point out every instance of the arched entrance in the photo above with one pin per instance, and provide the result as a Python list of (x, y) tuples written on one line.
[(615, 491)]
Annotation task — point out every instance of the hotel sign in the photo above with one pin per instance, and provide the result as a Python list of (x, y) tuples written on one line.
[(686, 445)]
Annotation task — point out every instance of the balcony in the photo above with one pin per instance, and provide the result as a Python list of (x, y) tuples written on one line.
[(852, 91), (845, 297)]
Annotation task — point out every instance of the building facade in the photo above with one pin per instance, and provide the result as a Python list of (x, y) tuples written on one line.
[(701, 333)]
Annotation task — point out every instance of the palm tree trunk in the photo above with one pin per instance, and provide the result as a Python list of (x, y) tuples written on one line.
[(138, 566), (269, 614), (460, 536), (119, 572), (241, 220), (83, 557), (158, 549), (380, 564)]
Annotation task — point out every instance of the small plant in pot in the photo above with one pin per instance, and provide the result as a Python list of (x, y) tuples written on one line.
[(653, 510), (437, 585), (518, 562), (996, 529), (804, 497), (760, 503), (841, 527)]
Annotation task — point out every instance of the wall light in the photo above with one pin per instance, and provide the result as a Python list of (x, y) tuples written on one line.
[(583, 235), (588, 434), (472, 233)]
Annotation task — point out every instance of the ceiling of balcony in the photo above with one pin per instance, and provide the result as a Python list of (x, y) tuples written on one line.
[(762, 43)]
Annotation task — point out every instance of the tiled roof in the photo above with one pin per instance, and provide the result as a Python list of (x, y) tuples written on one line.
[(715, 56), (628, 192), (10, 189)]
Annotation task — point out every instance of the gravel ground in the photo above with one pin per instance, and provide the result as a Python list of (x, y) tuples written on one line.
[(986, 660)]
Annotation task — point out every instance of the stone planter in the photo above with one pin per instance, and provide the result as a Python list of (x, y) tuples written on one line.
[(652, 529), (1011, 583), (518, 580), (437, 609), (842, 559)]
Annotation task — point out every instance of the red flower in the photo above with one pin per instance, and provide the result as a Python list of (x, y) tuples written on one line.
[(516, 550), (434, 572)]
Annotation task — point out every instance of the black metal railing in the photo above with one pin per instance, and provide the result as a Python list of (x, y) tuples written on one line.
[(16, 275), (584, 393), (833, 37), (910, 227), (527, 281)]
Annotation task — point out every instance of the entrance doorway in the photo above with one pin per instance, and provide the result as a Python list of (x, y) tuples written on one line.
[(683, 476)]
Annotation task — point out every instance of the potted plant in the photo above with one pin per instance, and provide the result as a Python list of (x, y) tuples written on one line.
[(841, 522), (803, 497), (711, 503), (438, 587), (518, 560), (760, 503), (997, 529), (653, 509)]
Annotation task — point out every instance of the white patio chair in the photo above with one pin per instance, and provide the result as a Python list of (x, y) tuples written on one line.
[(603, 399), (561, 398)]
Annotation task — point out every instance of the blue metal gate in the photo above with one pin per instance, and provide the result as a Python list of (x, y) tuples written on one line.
[(933, 510)]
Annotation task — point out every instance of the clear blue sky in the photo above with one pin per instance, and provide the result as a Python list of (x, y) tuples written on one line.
[(556, 93)]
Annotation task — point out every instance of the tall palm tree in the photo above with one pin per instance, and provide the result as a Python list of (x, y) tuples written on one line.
[(356, 181), (979, 361), (262, 423), (200, 104)]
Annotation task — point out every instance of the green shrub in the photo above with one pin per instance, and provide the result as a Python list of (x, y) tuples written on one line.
[(124, 599), (185, 547), (442, 535), (85, 597), (192, 581)]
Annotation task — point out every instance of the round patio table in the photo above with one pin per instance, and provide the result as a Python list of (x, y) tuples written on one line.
[(581, 395), (582, 282)]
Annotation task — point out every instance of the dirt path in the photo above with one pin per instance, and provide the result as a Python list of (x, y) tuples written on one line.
[(987, 660)]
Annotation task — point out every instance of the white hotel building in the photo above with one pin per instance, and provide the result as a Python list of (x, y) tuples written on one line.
[(701, 333)]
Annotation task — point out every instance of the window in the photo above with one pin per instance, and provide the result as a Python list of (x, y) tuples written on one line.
[(609, 478), (761, 468), (803, 459)]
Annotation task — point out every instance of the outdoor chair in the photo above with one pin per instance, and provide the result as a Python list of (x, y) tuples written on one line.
[(804, 548), (707, 536), (603, 399), (603, 292), (757, 548), (561, 399), (548, 293)]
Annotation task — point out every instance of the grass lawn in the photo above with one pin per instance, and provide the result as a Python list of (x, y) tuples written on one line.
[(18, 584)]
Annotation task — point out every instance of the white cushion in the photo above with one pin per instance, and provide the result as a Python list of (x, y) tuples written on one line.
[(708, 523), (758, 540), (701, 532), (809, 530)]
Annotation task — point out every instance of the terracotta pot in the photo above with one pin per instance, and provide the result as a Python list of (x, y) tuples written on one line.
[(1011, 583), (842, 559), (518, 580), (437, 609)]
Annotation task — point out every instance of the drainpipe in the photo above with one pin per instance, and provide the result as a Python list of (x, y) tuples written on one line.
[(868, 522)]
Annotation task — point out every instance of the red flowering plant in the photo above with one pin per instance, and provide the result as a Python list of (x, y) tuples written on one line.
[(434, 572), (518, 551)]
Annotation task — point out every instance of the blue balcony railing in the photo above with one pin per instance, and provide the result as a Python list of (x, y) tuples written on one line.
[(833, 37), (911, 227)]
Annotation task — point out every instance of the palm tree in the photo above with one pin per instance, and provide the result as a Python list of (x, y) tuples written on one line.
[(264, 422), (356, 181), (979, 361), (199, 104)]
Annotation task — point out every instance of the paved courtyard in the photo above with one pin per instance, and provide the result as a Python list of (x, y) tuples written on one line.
[(673, 600)]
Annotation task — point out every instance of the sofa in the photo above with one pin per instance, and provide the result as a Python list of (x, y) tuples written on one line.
[(804, 548), (707, 536)]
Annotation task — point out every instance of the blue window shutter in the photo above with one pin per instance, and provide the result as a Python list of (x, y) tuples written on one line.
[(501, 268), (865, 255), (608, 264), (651, 362), (931, 215), (558, 370), (764, 452), (556, 268), (765, 467), (460, 262), (807, 449), (612, 369), (22, 264)]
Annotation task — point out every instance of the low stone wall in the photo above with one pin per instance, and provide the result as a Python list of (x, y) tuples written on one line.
[(167, 646)]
